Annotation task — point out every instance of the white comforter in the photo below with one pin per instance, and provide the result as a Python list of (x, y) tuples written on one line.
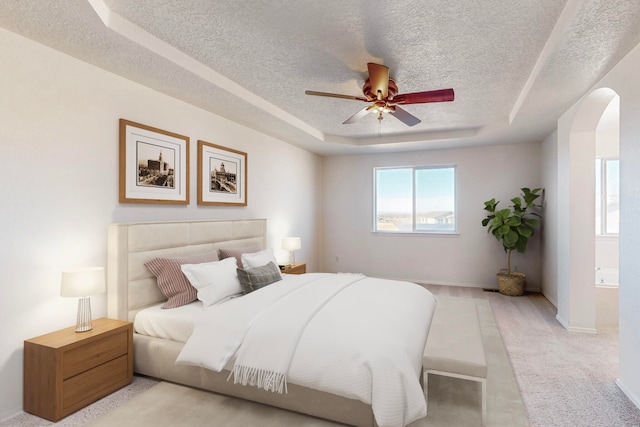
[(362, 338)]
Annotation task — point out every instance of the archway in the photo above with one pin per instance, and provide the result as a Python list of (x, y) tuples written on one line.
[(577, 215)]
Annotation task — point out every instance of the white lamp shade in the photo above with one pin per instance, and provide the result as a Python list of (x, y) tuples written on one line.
[(291, 244), (82, 282)]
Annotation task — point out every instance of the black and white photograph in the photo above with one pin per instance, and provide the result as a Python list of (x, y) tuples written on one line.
[(154, 166), (222, 175)]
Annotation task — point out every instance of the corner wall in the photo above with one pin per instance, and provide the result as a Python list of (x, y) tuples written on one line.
[(470, 258), (549, 287), (59, 135), (623, 80)]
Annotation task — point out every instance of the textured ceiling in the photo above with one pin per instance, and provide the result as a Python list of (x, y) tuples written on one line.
[(515, 66)]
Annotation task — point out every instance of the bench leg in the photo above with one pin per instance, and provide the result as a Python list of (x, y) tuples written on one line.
[(484, 401), (425, 381), (482, 381)]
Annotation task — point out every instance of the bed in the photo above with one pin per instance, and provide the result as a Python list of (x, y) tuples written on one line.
[(132, 289)]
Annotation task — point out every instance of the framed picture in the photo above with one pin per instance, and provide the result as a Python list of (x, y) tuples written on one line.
[(222, 175), (154, 165)]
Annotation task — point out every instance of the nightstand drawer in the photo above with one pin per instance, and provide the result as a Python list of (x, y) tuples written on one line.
[(91, 385), (66, 370), (85, 357)]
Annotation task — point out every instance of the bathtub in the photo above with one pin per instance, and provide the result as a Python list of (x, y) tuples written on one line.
[(607, 277), (606, 298)]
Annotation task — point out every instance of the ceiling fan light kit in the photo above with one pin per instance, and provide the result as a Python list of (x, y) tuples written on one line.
[(382, 93)]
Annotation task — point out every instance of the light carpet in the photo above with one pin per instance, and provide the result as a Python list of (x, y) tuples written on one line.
[(566, 379), (452, 402), (569, 377)]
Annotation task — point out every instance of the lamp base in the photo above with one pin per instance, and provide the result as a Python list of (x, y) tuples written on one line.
[(83, 321)]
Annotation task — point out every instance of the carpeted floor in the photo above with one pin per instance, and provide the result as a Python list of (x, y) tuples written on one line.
[(452, 402), (91, 412), (569, 377), (565, 379)]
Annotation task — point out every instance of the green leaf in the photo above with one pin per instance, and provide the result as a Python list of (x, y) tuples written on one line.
[(525, 231), (521, 244), (510, 239), (530, 196), (504, 229), (531, 222), (503, 214), (514, 221), (490, 205), (486, 221)]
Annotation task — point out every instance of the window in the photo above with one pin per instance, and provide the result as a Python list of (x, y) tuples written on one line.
[(607, 196), (415, 199)]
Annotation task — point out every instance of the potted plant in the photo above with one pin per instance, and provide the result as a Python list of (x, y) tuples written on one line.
[(512, 226)]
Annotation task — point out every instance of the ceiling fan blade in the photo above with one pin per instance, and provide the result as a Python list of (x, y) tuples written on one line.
[(405, 117), (335, 95), (379, 79), (360, 114), (440, 95)]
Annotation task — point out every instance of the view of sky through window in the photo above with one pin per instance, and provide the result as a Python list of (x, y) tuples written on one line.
[(424, 196)]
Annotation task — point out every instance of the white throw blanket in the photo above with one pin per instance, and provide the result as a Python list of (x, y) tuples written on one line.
[(360, 338), (274, 334)]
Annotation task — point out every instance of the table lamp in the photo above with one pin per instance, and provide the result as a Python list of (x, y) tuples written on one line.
[(82, 283), (291, 244)]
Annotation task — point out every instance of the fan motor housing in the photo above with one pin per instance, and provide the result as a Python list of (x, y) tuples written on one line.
[(366, 90)]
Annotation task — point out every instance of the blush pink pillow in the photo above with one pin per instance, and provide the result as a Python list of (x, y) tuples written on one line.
[(237, 253), (171, 280)]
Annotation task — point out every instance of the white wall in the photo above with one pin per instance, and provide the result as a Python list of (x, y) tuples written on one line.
[(623, 80), (549, 230), (471, 257), (59, 162)]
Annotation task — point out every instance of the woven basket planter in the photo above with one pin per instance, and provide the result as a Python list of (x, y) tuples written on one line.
[(511, 284)]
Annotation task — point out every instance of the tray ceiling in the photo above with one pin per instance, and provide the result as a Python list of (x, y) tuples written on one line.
[(515, 66)]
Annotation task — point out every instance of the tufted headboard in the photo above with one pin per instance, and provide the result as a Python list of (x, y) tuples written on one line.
[(131, 287)]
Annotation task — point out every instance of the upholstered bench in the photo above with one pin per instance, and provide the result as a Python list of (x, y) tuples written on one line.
[(454, 346)]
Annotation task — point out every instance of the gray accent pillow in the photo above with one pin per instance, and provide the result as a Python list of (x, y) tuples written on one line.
[(255, 278)]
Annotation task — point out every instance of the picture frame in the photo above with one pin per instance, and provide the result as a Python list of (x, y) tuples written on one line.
[(154, 165), (222, 175)]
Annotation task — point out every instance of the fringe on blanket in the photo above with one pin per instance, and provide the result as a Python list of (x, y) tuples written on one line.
[(268, 380)]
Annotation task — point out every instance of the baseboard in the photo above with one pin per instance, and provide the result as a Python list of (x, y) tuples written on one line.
[(553, 302), (633, 398), (574, 328), (10, 414), (562, 322), (455, 284)]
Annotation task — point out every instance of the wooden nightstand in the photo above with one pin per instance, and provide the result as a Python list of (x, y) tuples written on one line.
[(66, 370), (299, 268)]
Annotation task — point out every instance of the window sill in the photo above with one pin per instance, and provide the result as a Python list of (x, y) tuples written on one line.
[(416, 233)]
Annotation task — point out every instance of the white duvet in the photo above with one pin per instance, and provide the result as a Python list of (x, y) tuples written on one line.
[(353, 336)]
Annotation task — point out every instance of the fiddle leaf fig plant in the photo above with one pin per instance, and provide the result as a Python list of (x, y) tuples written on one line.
[(513, 225)]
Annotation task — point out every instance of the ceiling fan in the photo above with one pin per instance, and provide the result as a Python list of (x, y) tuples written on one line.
[(382, 93)]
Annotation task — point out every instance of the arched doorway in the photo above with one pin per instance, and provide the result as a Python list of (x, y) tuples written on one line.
[(577, 244)]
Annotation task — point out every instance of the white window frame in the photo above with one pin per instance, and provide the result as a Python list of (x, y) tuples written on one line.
[(603, 196), (414, 231)]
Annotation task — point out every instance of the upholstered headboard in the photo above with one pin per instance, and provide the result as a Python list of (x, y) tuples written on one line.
[(131, 287)]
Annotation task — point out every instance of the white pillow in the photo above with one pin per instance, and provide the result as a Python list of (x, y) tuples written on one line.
[(258, 259), (215, 281)]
